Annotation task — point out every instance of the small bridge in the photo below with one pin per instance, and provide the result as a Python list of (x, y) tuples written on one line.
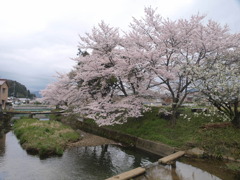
[(32, 113)]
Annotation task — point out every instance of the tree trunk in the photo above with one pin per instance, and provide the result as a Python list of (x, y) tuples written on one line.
[(236, 120), (174, 117), (174, 113)]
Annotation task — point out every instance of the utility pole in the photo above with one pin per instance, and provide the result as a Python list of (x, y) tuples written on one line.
[(14, 84), (1, 113)]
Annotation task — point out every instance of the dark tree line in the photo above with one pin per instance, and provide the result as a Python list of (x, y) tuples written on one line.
[(18, 90)]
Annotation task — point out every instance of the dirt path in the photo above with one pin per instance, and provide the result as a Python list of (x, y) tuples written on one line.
[(91, 140)]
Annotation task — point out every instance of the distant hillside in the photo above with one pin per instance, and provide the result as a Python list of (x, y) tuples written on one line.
[(18, 90), (37, 94)]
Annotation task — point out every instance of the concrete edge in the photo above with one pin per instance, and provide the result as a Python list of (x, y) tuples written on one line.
[(157, 148)]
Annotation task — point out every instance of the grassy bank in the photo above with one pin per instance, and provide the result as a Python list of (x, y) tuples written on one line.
[(44, 137), (188, 132)]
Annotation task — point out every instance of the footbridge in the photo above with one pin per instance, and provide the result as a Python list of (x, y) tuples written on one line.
[(32, 110), (32, 113)]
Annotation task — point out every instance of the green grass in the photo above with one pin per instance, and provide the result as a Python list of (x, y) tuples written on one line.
[(44, 137), (187, 132), (234, 166), (55, 117)]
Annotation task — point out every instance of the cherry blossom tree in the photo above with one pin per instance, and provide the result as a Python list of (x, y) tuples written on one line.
[(219, 81), (58, 92), (115, 74), (104, 85), (169, 49)]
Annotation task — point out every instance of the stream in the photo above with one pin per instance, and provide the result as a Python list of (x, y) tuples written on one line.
[(83, 163), (96, 163)]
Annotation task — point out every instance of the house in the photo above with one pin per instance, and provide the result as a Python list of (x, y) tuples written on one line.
[(3, 93)]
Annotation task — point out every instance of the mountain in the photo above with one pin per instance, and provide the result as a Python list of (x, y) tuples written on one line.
[(37, 94), (19, 90)]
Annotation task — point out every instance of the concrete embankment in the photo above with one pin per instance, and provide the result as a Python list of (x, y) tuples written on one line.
[(126, 139)]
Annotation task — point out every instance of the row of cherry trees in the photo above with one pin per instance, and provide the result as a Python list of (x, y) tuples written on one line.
[(116, 72)]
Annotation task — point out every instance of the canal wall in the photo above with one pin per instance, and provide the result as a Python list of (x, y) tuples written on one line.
[(5, 124), (126, 139)]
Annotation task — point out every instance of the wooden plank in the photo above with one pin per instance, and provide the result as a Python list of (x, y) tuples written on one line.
[(171, 157), (129, 174)]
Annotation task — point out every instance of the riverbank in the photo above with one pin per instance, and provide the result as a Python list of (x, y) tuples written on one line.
[(208, 131), (88, 139), (4, 123), (44, 138), (52, 138)]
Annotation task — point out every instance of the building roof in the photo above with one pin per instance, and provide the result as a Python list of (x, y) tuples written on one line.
[(2, 81)]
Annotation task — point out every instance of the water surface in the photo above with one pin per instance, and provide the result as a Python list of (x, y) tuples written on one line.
[(83, 163)]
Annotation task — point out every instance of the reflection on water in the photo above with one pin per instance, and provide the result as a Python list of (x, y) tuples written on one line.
[(216, 167), (180, 172), (86, 163), (191, 169), (2, 145)]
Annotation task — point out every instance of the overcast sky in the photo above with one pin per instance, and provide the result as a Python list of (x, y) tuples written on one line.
[(39, 37)]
